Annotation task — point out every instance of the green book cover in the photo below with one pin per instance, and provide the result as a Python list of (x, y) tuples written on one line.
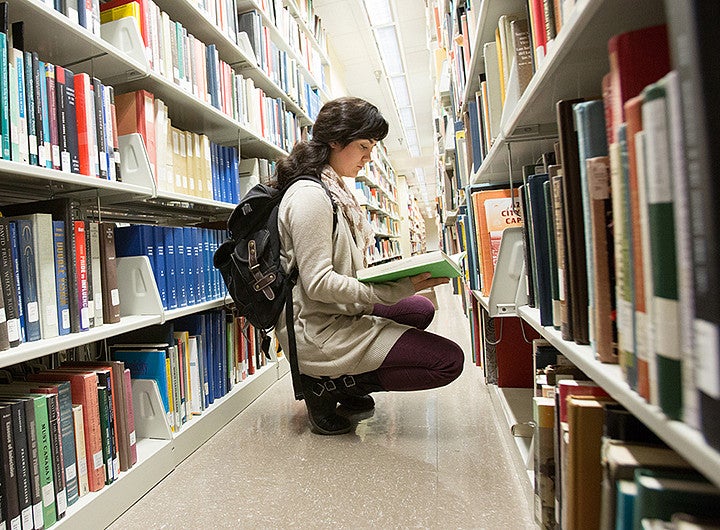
[(661, 493), (661, 221), (436, 262)]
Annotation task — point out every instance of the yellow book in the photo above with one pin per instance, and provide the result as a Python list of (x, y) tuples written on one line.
[(501, 65), (131, 9), (190, 164)]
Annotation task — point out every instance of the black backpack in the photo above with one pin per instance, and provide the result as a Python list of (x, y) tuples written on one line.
[(249, 262)]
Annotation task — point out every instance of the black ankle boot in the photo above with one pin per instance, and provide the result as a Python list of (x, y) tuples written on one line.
[(354, 390), (321, 399)]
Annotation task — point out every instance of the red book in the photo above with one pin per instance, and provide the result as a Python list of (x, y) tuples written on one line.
[(513, 353), (85, 118), (83, 387), (81, 275), (136, 114), (637, 59), (539, 34)]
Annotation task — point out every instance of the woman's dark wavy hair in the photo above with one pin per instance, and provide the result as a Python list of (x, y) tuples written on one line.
[(341, 120)]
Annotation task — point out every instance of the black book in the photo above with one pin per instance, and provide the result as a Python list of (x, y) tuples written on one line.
[(22, 461), (576, 281), (694, 47), (34, 458), (39, 81), (620, 424), (7, 281), (32, 101), (62, 118), (100, 113), (8, 486), (71, 121), (61, 209)]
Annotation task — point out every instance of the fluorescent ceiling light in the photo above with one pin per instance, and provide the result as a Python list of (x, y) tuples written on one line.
[(399, 87), (389, 48), (378, 12)]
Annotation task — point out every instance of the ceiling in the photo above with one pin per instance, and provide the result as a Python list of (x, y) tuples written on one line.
[(356, 64)]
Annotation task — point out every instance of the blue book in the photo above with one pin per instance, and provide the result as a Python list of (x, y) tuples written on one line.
[(214, 171), (190, 273), (61, 277), (139, 240), (30, 99), (536, 197), (210, 356), (161, 267), (147, 364), (4, 85), (178, 241), (199, 265), (473, 267), (15, 253), (170, 272), (592, 142)]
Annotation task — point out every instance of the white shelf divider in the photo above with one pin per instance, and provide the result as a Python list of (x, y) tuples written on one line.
[(684, 439)]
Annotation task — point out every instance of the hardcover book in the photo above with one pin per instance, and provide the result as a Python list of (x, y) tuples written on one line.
[(436, 262)]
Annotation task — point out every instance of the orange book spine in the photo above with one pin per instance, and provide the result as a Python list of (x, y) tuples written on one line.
[(633, 119), (83, 387)]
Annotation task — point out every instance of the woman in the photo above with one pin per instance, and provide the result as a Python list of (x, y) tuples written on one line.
[(352, 338)]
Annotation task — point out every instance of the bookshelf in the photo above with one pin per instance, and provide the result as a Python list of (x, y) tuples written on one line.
[(573, 67), (116, 56)]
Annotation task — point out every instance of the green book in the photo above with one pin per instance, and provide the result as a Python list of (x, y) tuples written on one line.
[(661, 221), (436, 262), (660, 494)]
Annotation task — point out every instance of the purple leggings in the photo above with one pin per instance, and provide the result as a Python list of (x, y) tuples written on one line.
[(419, 359)]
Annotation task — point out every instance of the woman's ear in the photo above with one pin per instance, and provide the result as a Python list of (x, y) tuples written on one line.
[(334, 145)]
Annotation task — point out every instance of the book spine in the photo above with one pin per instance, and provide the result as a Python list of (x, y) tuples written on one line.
[(5, 151), (61, 277), (43, 427), (80, 277), (94, 265), (7, 270), (58, 462), (85, 119), (80, 448), (61, 102), (71, 122), (130, 412), (105, 434), (64, 404), (38, 80), (30, 103), (53, 116), (100, 120), (46, 158), (11, 507), (22, 463), (28, 279), (661, 219), (34, 461)]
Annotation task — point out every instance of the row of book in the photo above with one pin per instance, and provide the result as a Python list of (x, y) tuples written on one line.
[(607, 224), (382, 224), (51, 117), (280, 65), (196, 67), (65, 432), (291, 33), (376, 198), (58, 274), (71, 430), (181, 259), (597, 466), (197, 360), (384, 249)]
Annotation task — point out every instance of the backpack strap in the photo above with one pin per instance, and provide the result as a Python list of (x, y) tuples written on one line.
[(289, 313)]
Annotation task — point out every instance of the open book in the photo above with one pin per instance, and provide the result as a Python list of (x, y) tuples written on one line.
[(436, 262)]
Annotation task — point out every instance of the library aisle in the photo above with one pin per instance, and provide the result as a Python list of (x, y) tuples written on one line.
[(433, 459)]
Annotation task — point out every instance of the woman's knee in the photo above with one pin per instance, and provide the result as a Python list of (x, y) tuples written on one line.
[(425, 310), (454, 361)]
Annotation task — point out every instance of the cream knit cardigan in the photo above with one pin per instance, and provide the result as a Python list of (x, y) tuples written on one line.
[(334, 331)]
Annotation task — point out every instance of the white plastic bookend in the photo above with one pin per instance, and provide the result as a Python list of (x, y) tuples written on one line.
[(150, 417), (140, 294), (124, 34), (135, 164), (508, 273)]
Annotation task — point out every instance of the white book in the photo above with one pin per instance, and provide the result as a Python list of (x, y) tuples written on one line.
[(82, 470), (492, 76), (196, 399)]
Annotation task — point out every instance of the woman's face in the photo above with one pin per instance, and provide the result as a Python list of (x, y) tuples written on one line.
[(349, 160)]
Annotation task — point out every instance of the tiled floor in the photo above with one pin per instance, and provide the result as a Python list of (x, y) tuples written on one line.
[(432, 459)]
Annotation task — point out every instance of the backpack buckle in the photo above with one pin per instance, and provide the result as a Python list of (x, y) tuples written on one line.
[(262, 281)]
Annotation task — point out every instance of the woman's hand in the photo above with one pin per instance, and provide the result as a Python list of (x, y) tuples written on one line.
[(425, 281)]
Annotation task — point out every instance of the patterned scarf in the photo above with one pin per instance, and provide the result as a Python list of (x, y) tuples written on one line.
[(354, 214)]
